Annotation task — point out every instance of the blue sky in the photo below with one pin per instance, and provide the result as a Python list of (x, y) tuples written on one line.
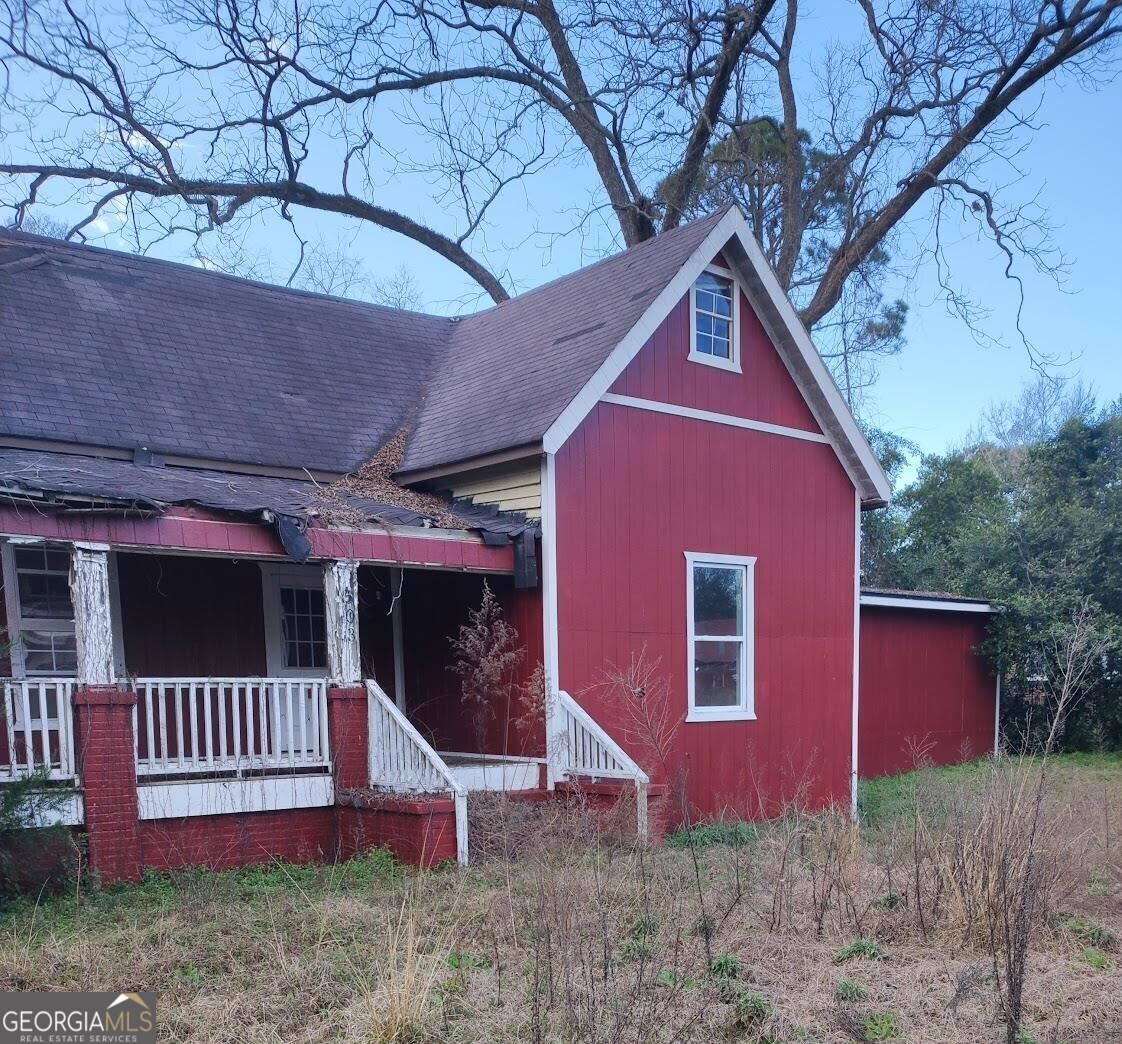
[(936, 389)]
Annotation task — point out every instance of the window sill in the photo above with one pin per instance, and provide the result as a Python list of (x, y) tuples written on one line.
[(732, 714), (729, 365)]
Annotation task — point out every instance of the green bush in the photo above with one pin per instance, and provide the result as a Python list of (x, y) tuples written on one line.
[(890, 901), (850, 991), (634, 950), (868, 949), (880, 1025), (33, 856), (734, 834), (751, 1008), (1093, 956), (1091, 933), (726, 966)]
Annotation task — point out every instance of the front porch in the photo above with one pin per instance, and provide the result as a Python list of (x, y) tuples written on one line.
[(187, 688)]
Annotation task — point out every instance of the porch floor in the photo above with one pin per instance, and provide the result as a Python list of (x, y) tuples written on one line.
[(493, 771)]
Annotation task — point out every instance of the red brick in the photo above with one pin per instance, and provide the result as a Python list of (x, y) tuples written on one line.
[(107, 767)]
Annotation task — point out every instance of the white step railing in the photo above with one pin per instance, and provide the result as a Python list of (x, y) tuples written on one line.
[(581, 747), (402, 760), (230, 726), (38, 728)]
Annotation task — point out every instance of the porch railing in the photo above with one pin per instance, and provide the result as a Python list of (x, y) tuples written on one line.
[(230, 726), (402, 760), (582, 747), (37, 733)]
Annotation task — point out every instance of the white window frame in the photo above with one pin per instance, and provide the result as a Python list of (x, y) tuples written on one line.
[(731, 364), (15, 620), (274, 576), (745, 709)]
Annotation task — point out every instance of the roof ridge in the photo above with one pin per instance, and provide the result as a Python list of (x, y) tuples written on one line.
[(631, 251), (93, 253), (96, 254)]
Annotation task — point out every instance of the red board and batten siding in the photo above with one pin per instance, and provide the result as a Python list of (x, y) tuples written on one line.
[(635, 490), (925, 687)]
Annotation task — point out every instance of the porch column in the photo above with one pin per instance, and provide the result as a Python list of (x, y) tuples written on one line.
[(105, 745), (347, 708), (93, 619), (340, 594)]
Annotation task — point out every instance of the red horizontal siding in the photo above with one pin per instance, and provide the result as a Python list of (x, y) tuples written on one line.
[(925, 689)]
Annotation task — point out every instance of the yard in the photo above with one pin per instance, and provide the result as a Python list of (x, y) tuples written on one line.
[(797, 931)]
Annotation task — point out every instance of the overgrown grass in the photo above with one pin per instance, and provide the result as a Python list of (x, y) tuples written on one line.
[(742, 934)]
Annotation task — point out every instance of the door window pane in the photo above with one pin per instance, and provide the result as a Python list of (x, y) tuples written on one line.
[(304, 627)]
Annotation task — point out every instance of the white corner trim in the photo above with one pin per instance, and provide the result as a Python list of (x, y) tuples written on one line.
[(674, 410), (746, 709), (855, 726), (942, 605), (820, 373), (550, 613), (997, 718), (733, 226), (587, 398)]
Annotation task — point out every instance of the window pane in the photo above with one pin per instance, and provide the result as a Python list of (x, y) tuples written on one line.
[(716, 678), (44, 595), (716, 291), (49, 652), (304, 627), (718, 600)]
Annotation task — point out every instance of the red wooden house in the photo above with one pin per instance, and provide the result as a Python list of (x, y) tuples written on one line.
[(241, 523)]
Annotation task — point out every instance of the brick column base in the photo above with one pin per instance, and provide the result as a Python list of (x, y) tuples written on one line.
[(107, 765), (349, 724)]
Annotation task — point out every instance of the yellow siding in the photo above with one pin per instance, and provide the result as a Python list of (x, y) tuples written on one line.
[(509, 487)]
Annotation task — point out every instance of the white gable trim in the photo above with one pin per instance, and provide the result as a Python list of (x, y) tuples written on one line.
[(587, 398), (813, 379), (674, 410)]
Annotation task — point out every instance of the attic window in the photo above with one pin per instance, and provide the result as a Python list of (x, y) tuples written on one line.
[(713, 320)]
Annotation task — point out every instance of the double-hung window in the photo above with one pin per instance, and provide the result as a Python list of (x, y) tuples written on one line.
[(720, 617), (40, 613), (713, 320)]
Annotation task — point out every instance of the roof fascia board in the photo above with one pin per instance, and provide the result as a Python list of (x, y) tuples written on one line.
[(817, 384), (601, 381), (811, 376), (942, 605), (529, 453)]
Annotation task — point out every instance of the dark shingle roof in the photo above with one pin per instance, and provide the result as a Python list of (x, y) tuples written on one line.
[(514, 368), (110, 349)]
